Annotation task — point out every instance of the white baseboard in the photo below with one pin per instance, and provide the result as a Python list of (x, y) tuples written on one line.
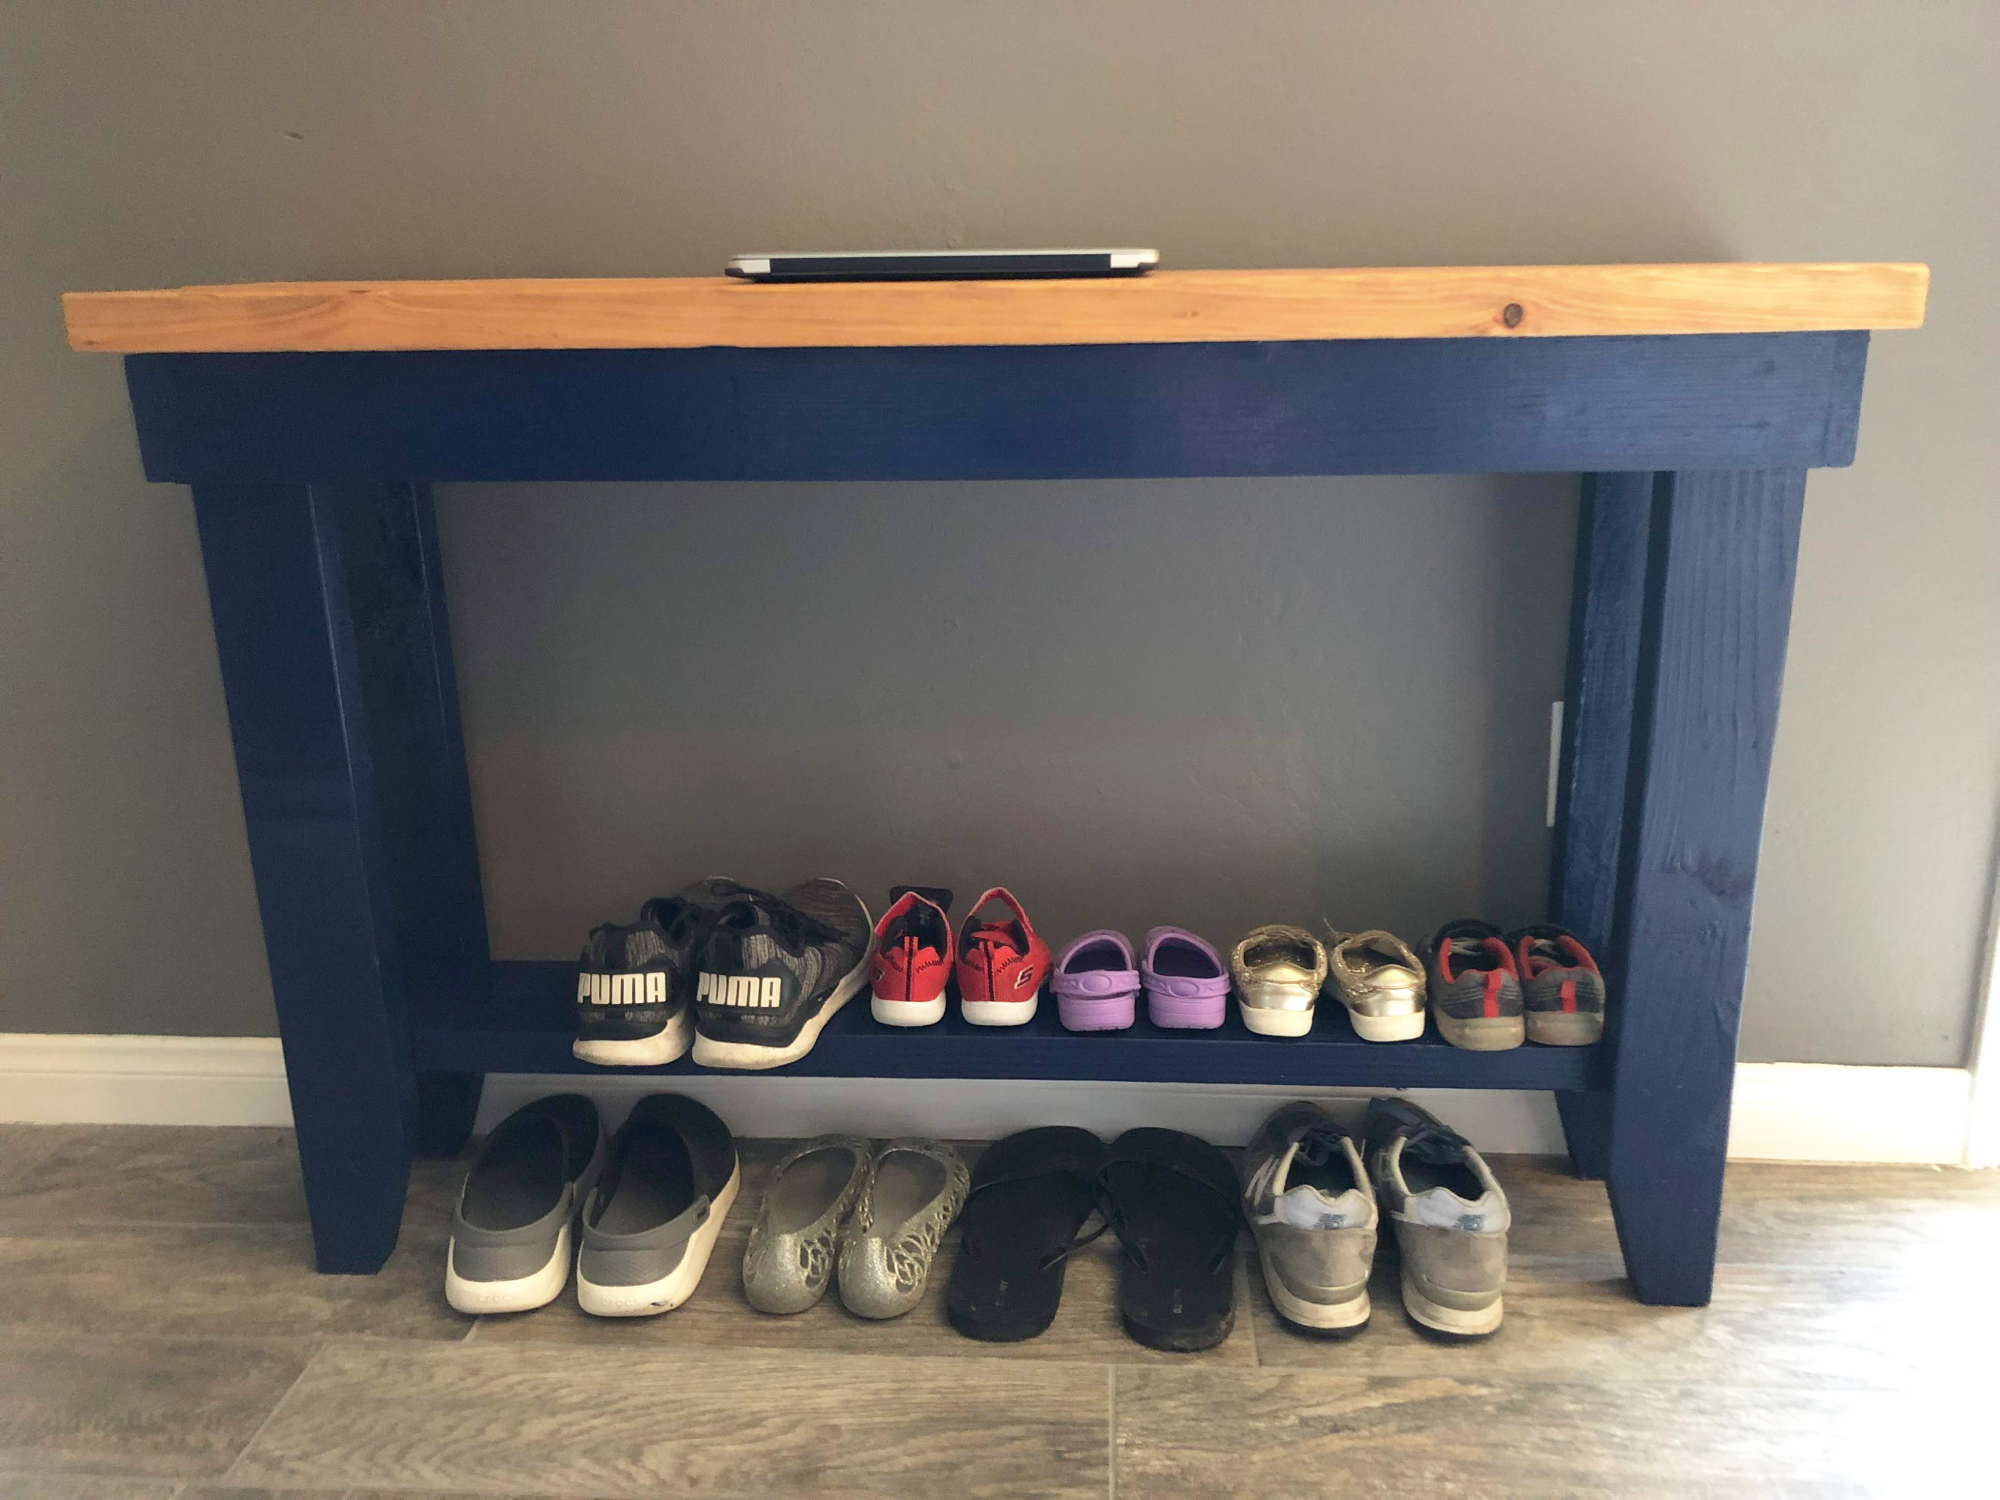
[(985, 1109), (1783, 1111), (142, 1080), (1820, 1112)]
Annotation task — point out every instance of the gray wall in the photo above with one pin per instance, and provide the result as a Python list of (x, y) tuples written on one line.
[(1130, 702), (1207, 703)]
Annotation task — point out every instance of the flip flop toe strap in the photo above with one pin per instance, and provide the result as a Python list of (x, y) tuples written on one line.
[(1118, 1220), (973, 1243)]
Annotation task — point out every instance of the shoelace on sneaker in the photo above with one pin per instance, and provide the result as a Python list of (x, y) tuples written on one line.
[(793, 927), (1320, 1144), (677, 918), (1424, 1138)]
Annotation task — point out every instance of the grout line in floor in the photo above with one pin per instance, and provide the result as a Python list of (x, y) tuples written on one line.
[(1250, 1313), (12, 1470), (1111, 1431), (717, 1351), (272, 1415)]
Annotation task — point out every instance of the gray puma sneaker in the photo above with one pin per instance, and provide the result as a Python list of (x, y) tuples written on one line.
[(789, 1260), (773, 970), (510, 1245), (1310, 1206), (1449, 1214), (913, 1191)]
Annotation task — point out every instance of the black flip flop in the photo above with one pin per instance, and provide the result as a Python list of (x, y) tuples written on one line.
[(1172, 1199), (1031, 1194)]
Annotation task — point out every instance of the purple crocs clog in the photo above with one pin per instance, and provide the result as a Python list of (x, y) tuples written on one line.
[(1096, 982), (1186, 985)]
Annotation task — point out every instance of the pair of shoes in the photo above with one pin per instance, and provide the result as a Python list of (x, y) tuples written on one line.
[(743, 978), (1171, 1199), (876, 1216), (999, 965), (1279, 972), (1315, 1212), (1098, 978), (1491, 991), (652, 1202), (632, 980)]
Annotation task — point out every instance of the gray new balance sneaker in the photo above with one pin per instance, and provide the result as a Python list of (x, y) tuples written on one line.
[(1309, 1204), (789, 1260), (1449, 1214), (649, 1228), (510, 1232)]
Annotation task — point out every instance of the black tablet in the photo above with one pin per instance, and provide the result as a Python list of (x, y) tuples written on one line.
[(940, 265)]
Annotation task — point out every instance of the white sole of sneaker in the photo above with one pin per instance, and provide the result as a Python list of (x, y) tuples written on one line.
[(906, 1012), (522, 1294), (1267, 1022), (1388, 1028), (645, 1052), (1321, 1315), (1450, 1319), (1483, 1033), (748, 1057), (672, 1289), (1561, 1028), (1000, 1012)]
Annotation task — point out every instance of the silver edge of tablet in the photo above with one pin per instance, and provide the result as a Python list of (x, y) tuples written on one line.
[(1115, 260)]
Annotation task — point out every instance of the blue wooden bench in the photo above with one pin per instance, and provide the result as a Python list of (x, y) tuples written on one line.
[(310, 421)]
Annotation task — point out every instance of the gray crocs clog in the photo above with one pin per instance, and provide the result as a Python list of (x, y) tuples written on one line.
[(789, 1260), (651, 1225), (510, 1246), (914, 1189)]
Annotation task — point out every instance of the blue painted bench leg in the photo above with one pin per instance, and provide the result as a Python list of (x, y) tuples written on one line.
[(447, 1104), (329, 626), (277, 585), (403, 650), (1720, 564), (1606, 603)]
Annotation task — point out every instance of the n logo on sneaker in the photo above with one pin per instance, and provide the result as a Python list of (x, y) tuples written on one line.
[(743, 990), (621, 989)]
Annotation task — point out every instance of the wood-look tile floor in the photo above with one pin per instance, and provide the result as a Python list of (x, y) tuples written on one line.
[(161, 1338)]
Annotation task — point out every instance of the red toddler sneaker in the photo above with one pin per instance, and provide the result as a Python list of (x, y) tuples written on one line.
[(1001, 965), (913, 953)]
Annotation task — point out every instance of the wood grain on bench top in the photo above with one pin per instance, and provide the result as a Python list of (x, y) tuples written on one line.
[(1164, 307)]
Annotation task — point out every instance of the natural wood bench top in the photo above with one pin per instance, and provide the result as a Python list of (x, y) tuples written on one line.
[(1166, 307)]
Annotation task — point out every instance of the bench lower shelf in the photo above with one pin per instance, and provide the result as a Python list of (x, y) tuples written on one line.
[(523, 1025)]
